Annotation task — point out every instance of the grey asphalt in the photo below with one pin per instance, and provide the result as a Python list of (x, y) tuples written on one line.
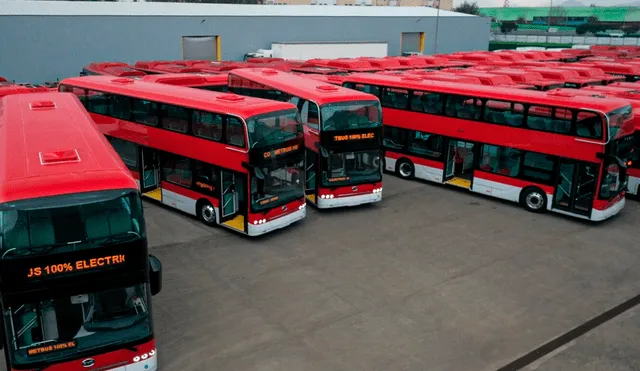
[(432, 278)]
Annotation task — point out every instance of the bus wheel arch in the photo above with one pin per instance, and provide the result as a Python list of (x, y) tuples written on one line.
[(206, 212), (405, 168), (533, 199)]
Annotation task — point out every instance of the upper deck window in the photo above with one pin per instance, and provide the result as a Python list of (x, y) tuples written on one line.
[(351, 115), (273, 128), (69, 222)]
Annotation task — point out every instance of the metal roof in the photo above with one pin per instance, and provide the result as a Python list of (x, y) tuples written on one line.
[(84, 8)]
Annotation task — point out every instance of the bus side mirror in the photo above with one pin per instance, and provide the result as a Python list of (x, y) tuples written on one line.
[(155, 274)]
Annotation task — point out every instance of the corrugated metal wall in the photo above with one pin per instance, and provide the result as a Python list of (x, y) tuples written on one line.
[(43, 48)]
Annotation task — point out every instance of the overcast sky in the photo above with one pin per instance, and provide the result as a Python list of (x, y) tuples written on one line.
[(496, 3)]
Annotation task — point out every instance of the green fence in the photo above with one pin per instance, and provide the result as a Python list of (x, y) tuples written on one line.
[(495, 45)]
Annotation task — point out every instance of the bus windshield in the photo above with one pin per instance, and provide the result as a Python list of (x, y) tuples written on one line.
[(617, 118), (69, 222), (352, 168), (351, 115), (59, 328), (277, 185), (273, 128)]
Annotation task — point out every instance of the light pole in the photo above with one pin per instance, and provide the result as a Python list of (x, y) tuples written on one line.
[(435, 44)]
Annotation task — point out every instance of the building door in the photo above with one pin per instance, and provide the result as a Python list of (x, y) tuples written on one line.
[(411, 43), (575, 187), (150, 170), (201, 47)]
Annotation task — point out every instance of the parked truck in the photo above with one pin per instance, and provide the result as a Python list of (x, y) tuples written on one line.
[(324, 50)]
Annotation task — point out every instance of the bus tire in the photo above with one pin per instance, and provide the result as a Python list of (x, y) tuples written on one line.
[(405, 169), (206, 213), (533, 199)]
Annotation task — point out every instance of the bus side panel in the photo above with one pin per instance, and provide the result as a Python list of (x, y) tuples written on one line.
[(503, 187), (423, 168), (184, 145), (184, 199)]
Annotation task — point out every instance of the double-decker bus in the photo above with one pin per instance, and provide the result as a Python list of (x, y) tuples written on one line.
[(76, 279), (343, 134), (558, 152), (229, 160), (9, 88), (118, 69), (216, 82)]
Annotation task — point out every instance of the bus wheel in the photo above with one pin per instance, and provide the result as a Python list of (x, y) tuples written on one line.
[(404, 168), (206, 212), (533, 199)]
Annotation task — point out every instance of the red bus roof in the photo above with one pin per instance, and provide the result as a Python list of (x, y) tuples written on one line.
[(318, 70), (411, 62), (188, 79), (595, 93), (491, 92), (626, 85), (244, 107), (441, 76), (9, 88), (52, 147), (385, 63), (526, 77), (301, 86), (487, 78)]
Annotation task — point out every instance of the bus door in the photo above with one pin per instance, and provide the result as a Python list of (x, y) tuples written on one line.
[(150, 173), (311, 177), (575, 186), (231, 200), (459, 164)]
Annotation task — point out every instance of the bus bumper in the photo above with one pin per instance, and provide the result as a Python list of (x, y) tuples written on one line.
[(368, 198), (599, 215), (149, 364), (634, 185), (281, 222)]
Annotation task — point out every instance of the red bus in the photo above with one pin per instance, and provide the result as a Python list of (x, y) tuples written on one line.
[(343, 134), (630, 72), (593, 72), (529, 78), (626, 85), (572, 79), (76, 276), (492, 79), (306, 69), (10, 88), (229, 160), (198, 81), (118, 69), (633, 160), (545, 151)]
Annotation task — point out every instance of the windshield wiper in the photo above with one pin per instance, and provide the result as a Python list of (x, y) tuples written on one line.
[(265, 137), (39, 250)]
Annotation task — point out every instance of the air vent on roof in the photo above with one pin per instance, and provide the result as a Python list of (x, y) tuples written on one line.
[(269, 72), (561, 93), (122, 81), (326, 88), (59, 157), (411, 78), (42, 105), (230, 97)]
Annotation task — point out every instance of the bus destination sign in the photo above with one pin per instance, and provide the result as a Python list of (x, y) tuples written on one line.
[(352, 137), (51, 348), (75, 266), (355, 139), (280, 151)]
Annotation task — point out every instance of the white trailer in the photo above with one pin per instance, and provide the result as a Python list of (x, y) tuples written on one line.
[(325, 50)]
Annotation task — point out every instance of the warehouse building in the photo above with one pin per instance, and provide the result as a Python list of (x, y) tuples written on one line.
[(46, 40)]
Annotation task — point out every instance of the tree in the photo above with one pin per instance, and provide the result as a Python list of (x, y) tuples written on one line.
[(509, 26), (557, 15), (468, 8)]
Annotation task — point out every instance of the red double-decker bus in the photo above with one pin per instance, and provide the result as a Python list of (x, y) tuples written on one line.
[(229, 160), (199, 81), (343, 131), (118, 69), (76, 278), (556, 152)]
